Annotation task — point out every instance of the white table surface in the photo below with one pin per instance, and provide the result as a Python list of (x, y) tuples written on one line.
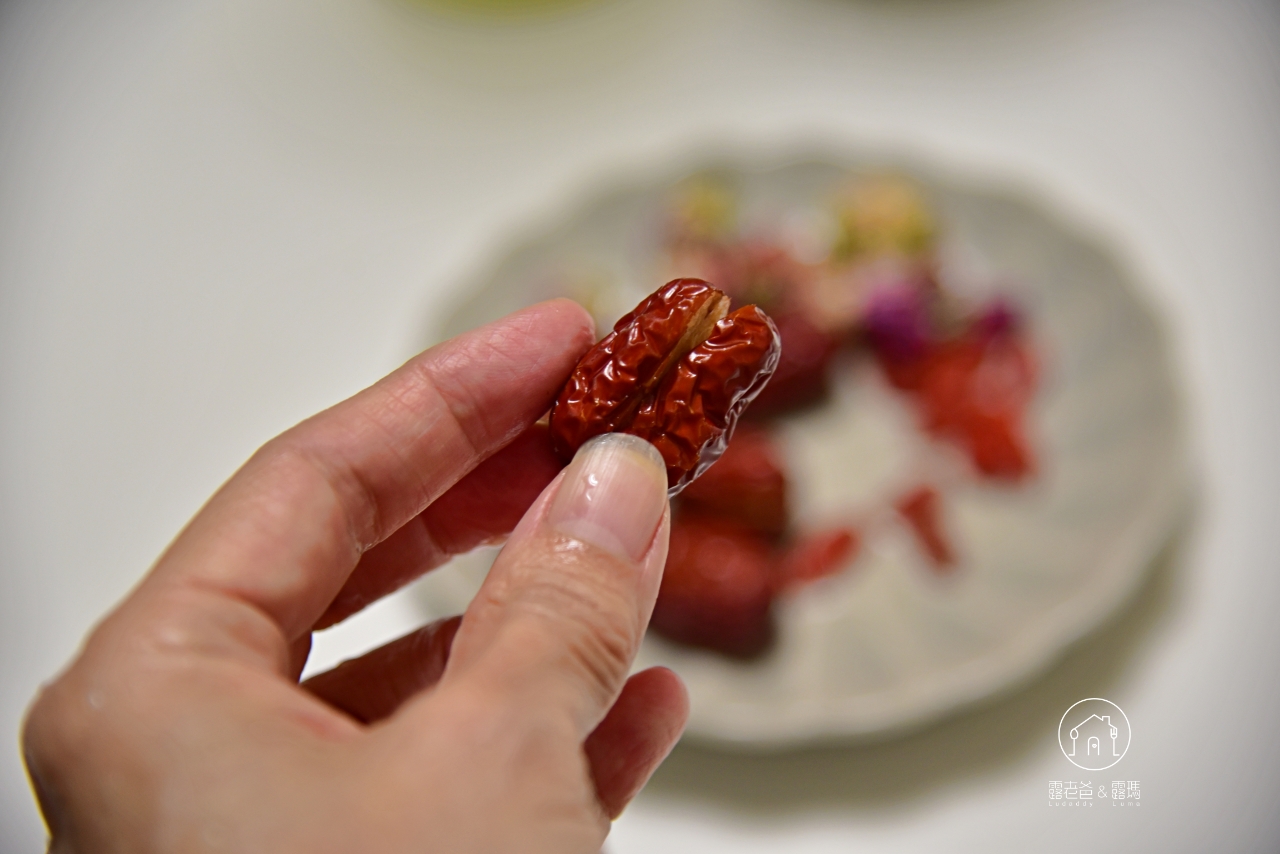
[(217, 216)]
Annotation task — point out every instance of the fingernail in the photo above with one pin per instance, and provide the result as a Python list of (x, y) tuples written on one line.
[(612, 495)]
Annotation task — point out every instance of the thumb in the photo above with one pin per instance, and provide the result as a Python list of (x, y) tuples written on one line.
[(559, 619)]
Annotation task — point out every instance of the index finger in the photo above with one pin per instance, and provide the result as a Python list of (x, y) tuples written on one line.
[(286, 531)]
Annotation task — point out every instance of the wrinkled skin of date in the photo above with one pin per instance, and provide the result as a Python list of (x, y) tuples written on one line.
[(691, 417), (613, 378), (677, 372)]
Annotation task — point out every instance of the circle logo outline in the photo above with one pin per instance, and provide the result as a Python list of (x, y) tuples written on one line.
[(1128, 727)]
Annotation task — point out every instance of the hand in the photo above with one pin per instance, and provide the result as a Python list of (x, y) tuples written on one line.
[(181, 725)]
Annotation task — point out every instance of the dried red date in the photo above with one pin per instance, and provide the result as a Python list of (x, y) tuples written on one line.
[(717, 588), (803, 376), (746, 485), (676, 371)]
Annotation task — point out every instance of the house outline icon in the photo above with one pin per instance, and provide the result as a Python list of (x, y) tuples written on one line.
[(1093, 744), (1084, 745)]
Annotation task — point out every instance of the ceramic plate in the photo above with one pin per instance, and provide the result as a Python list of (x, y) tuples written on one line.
[(890, 644)]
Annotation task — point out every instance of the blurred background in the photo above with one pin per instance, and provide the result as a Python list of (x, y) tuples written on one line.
[(219, 216)]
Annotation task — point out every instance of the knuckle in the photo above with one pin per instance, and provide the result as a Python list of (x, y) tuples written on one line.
[(55, 729), (35, 730), (601, 655), (595, 623)]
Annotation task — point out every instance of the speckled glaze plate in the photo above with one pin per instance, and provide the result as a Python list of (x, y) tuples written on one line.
[(889, 644)]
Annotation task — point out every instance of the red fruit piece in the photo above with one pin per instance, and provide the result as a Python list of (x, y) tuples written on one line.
[(975, 393), (803, 374), (614, 377), (996, 445), (746, 485), (716, 590), (691, 416), (816, 555), (921, 508), (675, 371)]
